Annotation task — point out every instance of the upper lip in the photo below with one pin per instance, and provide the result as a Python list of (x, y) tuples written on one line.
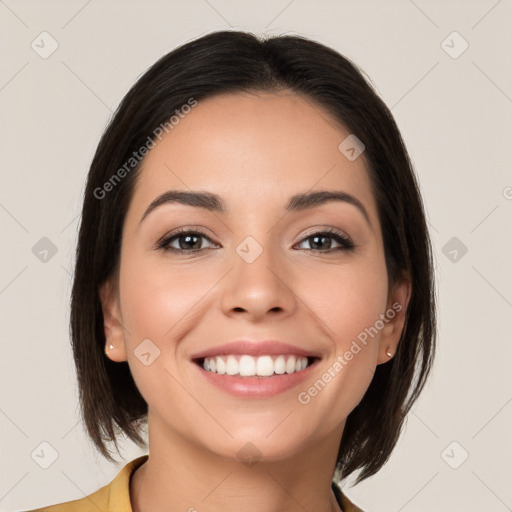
[(255, 348)]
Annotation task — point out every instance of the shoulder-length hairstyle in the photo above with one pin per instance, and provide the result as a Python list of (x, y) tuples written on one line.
[(226, 62)]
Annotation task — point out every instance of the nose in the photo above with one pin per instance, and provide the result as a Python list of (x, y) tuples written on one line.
[(256, 287)]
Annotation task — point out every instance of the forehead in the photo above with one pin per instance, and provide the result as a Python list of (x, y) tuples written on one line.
[(255, 150)]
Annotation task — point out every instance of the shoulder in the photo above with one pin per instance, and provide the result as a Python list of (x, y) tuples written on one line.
[(95, 501), (113, 497)]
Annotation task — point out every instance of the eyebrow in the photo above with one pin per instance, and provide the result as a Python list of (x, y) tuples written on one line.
[(215, 203)]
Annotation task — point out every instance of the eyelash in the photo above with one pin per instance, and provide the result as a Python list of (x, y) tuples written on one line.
[(345, 241)]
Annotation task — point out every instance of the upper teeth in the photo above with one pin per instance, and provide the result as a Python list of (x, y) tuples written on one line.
[(247, 366)]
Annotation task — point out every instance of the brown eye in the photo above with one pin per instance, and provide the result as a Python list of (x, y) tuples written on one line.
[(188, 241), (322, 241)]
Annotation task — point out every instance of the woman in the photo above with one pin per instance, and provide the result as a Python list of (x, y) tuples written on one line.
[(253, 278)]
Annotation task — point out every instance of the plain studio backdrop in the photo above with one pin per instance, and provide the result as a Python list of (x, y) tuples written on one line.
[(444, 70)]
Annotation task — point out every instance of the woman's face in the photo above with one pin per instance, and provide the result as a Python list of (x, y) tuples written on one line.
[(253, 275)]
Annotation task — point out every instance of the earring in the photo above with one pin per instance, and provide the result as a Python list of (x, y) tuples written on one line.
[(388, 353), (110, 347)]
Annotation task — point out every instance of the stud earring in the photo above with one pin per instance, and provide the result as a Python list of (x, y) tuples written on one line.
[(110, 347), (388, 353)]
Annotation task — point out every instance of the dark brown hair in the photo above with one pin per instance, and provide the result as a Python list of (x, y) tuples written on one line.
[(229, 62)]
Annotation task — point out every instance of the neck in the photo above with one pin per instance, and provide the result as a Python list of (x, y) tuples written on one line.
[(179, 475)]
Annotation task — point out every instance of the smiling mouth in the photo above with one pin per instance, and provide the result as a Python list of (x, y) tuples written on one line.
[(244, 365)]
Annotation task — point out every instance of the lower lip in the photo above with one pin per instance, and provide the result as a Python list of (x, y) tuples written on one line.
[(257, 387)]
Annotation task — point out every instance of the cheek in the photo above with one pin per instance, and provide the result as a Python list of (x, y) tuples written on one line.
[(348, 302), (348, 299), (160, 304), (157, 298)]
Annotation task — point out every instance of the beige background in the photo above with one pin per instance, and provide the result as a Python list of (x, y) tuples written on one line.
[(455, 113)]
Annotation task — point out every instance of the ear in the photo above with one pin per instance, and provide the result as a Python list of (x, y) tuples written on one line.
[(112, 322), (394, 321)]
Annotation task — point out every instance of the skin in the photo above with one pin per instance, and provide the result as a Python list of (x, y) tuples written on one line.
[(254, 150)]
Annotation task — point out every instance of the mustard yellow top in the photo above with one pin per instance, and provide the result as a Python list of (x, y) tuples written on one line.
[(115, 496)]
